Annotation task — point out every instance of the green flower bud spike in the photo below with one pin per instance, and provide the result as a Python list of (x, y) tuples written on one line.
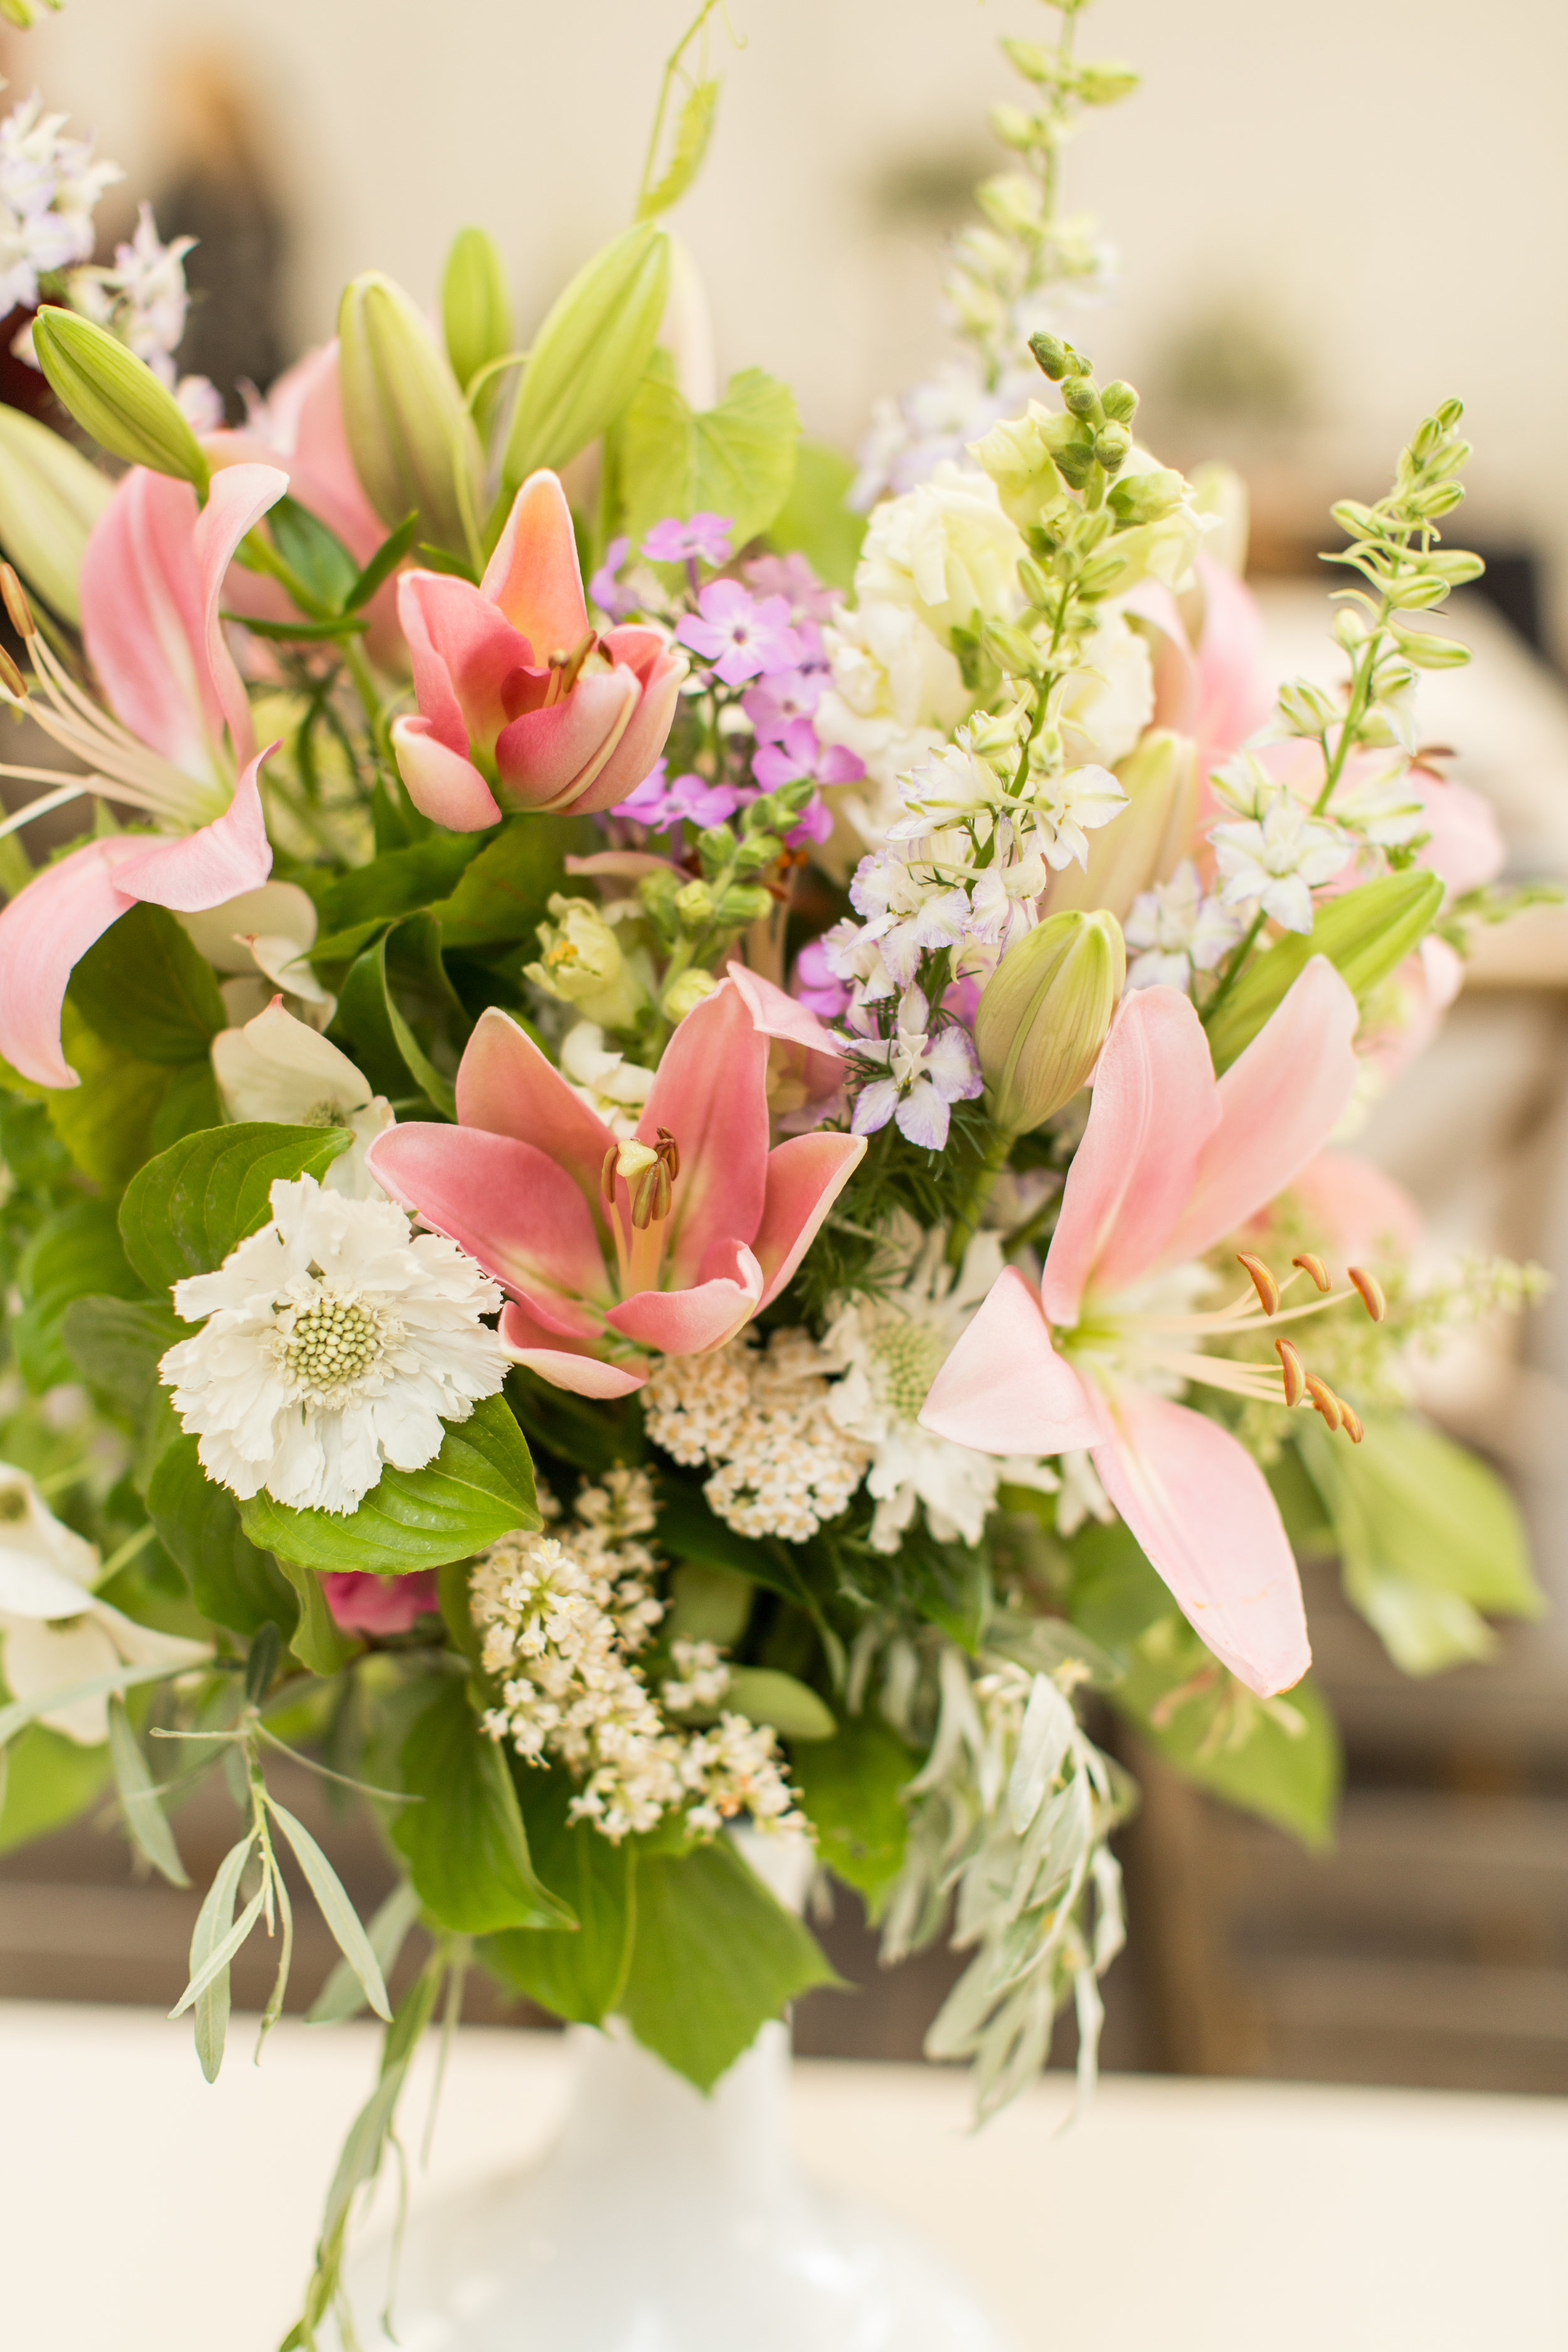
[(1045, 1013), (412, 440), (116, 398)]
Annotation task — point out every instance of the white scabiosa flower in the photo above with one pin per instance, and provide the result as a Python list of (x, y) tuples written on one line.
[(334, 1345)]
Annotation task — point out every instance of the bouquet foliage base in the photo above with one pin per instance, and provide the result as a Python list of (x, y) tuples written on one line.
[(665, 2221)]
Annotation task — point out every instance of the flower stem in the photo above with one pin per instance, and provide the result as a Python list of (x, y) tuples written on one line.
[(967, 1225)]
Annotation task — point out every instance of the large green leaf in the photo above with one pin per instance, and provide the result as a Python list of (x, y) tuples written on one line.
[(198, 1524), (714, 1956), (816, 519), (383, 1043), (75, 1251), (479, 1487), (48, 1781), (578, 1974), (105, 1123), (1366, 934), (318, 1641), (1427, 1536), (144, 988), (504, 892), (737, 459), (116, 1346), (183, 1212), (852, 1788), (464, 1841), (398, 883)]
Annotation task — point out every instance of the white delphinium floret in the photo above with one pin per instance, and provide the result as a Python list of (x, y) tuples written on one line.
[(1277, 858), (1178, 929), (143, 296), (334, 1344), (1066, 807), (49, 186)]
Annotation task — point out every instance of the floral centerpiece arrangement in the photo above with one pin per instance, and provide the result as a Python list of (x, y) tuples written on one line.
[(674, 1136)]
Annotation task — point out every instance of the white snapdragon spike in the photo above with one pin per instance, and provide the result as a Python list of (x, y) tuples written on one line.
[(261, 941), (334, 1345), (278, 1068), (1178, 931), (926, 1074), (896, 691), (50, 187), (1275, 859), (945, 551), (53, 1632), (889, 1349), (614, 1089)]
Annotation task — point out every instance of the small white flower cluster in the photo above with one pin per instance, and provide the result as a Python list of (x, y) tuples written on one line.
[(49, 186), (782, 1464), (564, 1618)]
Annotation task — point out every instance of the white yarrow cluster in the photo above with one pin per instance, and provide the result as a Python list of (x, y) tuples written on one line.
[(782, 1466), (564, 1618), (334, 1344), (49, 186)]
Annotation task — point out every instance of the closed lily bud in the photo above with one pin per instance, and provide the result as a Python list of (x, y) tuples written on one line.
[(476, 310), (590, 355), (1044, 1015), (50, 500), (116, 398), (412, 440), (1149, 839)]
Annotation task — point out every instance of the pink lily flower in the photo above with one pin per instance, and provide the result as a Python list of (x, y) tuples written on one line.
[(515, 690), (151, 581), (670, 1243), (1171, 1161)]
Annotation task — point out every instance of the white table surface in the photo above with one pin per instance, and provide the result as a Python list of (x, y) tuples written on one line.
[(141, 2211)]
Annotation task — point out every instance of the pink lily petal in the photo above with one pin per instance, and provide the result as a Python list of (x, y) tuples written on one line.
[(505, 1202), (143, 620), (443, 784), (505, 1085), (1278, 1103), (44, 932), (463, 652), (1004, 1389), (1155, 1107), (549, 757), (778, 1015), (564, 1368), (633, 759), (1201, 1508), (210, 866), (710, 1311), (534, 575), (239, 497), (804, 1179), (709, 1094), (1466, 845), (1354, 1213)]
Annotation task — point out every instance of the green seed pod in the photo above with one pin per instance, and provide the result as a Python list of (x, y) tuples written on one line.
[(590, 355), (412, 440), (1044, 1015), (50, 500), (116, 398)]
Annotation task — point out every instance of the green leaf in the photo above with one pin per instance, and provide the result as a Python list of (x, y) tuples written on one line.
[(106, 1122), (714, 1956), (185, 1211), (382, 564), (144, 988), (397, 883), (687, 1529), (191, 1102), (589, 354), (74, 1252), (850, 1788), (1366, 934), (763, 1695), (464, 1845), (47, 1780), (338, 1913), (316, 555), (737, 459), (140, 1799), (318, 1641), (212, 1927), (815, 517), (343, 1995), (1427, 1535), (693, 131), (578, 1974), (198, 1525), (385, 1046), (504, 892), (479, 1487)]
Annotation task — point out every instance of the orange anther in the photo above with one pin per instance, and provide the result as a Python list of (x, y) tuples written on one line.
[(1325, 1401), (1371, 1292), (607, 1173), (1263, 1282), (1294, 1372), (1353, 1420), (1315, 1267), (16, 602)]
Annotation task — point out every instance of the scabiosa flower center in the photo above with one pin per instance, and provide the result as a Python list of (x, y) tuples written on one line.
[(335, 1341), (909, 1354)]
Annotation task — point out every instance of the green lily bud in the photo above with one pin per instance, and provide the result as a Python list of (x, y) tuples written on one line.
[(50, 500), (116, 398), (1146, 842), (412, 440), (590, 355), (476, 310), (1366, 934), (1044, 1015)]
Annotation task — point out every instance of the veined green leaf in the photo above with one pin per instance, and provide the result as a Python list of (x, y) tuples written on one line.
[(318, 1641), (231, 1581), (385, 1047), (144, 988), (576, 1973), (75, 1252), (335, 1908), (466, 1846), (737, 459), (850, 1788), (185, 1211), (815, 517), (139, 1798)]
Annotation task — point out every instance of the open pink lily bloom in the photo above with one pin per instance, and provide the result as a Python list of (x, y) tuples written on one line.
[(1171, 1161), (151, 583), (670, 1243), (516, 690)]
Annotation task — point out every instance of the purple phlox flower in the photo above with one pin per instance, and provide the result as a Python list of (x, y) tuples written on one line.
[(815, 823), (792, 577), (703, 538), (606, 590), (776, 703), (800, 755), (740, 637), (816, 985), (658, 803), (926, 1075)]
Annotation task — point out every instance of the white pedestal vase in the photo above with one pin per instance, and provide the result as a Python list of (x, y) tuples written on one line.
[(665, 2221)]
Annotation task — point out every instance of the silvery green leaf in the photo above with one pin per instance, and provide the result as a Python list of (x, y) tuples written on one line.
[(1058, 1844), (274, 2009), (958, 2024), (138, 1797), (1047, 1729), (1110, 1923), (212, 1922), (341, 1996), (219, 1958), (336, 1909)]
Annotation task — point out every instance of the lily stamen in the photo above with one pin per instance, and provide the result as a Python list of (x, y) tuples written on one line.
[(1262, 1281), (1310, 1265), (1370, 1292), (1293, 1371)]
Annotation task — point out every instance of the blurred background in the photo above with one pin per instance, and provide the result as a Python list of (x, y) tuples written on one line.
[(1330, 219)]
